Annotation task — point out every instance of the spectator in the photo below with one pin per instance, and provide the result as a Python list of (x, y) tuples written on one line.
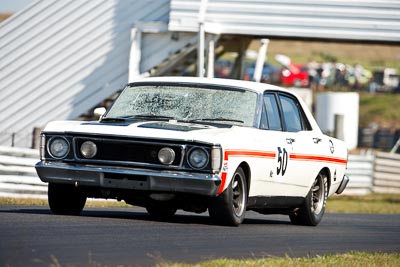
[(358, 71)]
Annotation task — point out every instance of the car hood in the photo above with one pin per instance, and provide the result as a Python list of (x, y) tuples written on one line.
[(171, 130)]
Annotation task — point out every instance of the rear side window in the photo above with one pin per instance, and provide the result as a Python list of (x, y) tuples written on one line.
[(293, 115), (270, 118)]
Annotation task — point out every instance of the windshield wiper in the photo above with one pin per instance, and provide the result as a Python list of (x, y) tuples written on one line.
[(140, 117), (148, 116), (216, 119), (113, 119)]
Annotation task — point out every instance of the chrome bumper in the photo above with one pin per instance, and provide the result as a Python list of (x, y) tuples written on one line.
[(129, 178), (343, 184)]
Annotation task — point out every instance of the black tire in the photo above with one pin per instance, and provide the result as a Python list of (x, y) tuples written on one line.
[(313, 208), (229, 208), (161, 212), (65, 199)]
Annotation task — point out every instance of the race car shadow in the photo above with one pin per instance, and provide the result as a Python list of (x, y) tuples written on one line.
[(32, 210), (183, 217), (141, 215)]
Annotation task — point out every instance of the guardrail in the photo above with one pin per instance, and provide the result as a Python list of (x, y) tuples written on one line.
[(387, 173), (360, 169), (18, 176), (378, 173)]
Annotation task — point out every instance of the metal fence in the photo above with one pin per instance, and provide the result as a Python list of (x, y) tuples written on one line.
[(18, 176), (378, 173), (387, 173), (360, 169)]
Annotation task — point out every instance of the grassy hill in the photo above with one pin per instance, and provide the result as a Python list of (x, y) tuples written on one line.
[(371, 56), (382, 109)]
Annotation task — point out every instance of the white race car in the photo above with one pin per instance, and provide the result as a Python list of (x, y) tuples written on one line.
[(197, 144)]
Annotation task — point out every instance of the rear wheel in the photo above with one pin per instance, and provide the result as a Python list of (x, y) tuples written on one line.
[(229, 208), (65, 199), (313, 208)]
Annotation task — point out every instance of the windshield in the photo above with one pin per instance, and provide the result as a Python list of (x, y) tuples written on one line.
[(185, 103)]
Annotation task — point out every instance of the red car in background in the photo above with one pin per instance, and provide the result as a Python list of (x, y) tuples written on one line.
[(292, 74)]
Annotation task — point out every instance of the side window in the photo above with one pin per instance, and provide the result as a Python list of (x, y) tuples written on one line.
[(291, 114), (270, 118)]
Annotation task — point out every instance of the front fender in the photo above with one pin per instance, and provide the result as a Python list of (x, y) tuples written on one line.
[(228, 169)]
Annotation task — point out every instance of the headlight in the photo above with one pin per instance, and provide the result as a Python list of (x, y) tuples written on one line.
[(58, 147), (198, 158), (166, 155), (88, 149)]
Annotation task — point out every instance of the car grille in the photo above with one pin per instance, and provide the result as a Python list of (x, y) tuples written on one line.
[(128, 152)]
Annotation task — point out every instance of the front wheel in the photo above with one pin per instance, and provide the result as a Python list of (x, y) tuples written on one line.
[(229, 208), (313, 208), (65, 199)]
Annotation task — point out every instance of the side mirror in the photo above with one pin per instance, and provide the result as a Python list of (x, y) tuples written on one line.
[(99, 111)]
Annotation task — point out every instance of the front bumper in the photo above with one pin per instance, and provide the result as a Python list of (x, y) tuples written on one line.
[(129, 178)]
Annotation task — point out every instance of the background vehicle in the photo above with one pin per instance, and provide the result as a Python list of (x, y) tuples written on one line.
[(292, 74)]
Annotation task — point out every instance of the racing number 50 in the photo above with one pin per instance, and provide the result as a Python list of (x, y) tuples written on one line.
[(282, 161)]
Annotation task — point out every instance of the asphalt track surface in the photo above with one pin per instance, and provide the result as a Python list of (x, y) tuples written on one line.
[(32, 236)]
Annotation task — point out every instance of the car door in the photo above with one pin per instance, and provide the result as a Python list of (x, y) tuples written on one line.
[(269, 178), (302, 146)]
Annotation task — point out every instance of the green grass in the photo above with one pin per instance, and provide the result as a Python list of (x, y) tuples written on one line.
[(381, 109), (371, 204), (43, 202), (353, 259)]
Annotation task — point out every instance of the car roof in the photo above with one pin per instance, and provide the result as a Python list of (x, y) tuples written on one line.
[(254, 86)]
